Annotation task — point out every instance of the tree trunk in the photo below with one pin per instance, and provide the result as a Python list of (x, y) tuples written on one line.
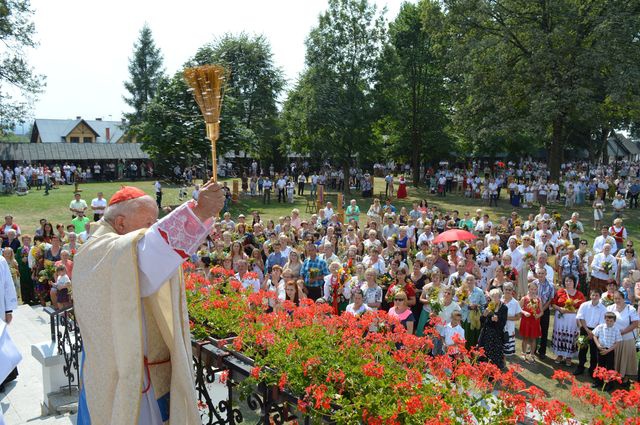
[(604, 141), (347, 176), (555, 149), (415, 158)]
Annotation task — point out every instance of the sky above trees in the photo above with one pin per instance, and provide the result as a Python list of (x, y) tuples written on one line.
[(85, 46)]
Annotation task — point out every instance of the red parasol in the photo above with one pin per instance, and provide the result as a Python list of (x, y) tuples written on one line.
[(500, 164), (454, 235)]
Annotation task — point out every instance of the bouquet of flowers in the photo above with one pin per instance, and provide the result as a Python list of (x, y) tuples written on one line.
[(462, 294), (511, 273), (534, 305), (457, 282), (48, 273), (350, 268), (435, 306), (392, 293), (528, 258), (573, 227), (495, 250), (314, 272), (582, 342), (383, 281), (492, 306), (570, 305), (607, 299), (606, 266)]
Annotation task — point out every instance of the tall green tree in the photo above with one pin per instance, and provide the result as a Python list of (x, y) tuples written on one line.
[(172, 128), (330, 110), (534, 68), (411, 91), (16, 75), (251, 95), (146, 71)]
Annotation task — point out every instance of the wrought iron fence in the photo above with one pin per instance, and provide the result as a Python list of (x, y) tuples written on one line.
[(220, 403), (263, 405), (66, 335)]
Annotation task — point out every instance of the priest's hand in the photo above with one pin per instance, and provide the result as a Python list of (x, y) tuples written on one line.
[(8, 317), (210, 201)]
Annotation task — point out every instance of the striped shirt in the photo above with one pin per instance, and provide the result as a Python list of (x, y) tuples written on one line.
[(607, 336)]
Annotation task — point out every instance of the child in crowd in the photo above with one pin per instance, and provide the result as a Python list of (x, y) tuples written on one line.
[(61, 290), (607, 338), (453, 328)]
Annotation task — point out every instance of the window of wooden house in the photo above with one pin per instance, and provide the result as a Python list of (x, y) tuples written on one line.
[(87, 140), (75, 140)]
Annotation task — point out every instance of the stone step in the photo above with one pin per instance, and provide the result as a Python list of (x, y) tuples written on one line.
[(53, 420), (63, 401), (22, 402)]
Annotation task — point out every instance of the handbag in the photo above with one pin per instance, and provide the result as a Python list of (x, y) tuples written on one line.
[(9, 354)]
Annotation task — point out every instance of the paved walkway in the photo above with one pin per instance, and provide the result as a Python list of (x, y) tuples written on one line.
[(22, 400)]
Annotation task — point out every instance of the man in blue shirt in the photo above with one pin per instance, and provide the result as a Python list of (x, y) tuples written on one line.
[(634, 191), (276, 257), (313, 270)]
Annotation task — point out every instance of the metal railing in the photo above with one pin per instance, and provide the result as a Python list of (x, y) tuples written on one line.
[(219, 403), (65, 333)]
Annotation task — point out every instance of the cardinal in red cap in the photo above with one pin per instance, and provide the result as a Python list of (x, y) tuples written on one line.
[(126, 193), (129, 301)]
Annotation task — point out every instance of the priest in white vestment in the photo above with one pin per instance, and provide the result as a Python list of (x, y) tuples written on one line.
[(130, 305)]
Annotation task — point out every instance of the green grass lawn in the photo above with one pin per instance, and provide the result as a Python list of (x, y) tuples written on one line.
[(27, 210)]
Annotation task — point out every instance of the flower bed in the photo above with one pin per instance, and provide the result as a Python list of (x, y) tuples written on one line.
[(369, 370)]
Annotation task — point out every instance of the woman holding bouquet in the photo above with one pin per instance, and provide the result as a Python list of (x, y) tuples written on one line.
[(337, 288), (402, 283), (514, 312), (626, 363), (565, 328), (430, 301), (472, 301), (494, 319)]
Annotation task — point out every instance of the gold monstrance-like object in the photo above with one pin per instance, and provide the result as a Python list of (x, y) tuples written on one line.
[(208, 83)]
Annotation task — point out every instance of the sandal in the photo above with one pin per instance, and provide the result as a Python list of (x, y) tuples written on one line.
[(568, 362), (531, 359), (558, 360)]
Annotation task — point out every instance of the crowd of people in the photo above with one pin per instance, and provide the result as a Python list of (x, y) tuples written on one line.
[(509, 279), (24, 177)]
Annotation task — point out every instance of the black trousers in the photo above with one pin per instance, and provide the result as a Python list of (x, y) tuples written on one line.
[(593, 354), (300, 189), (606, 361), (314, 292), (633, 200), (282, 197), (544, 326)]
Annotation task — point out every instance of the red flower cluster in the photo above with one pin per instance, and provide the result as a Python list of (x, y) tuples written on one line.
[(368, 367)]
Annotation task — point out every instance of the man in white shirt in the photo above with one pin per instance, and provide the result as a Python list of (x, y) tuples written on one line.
[(281, 184), (427, 236), (603, 268), (328, 211), (512, 251), (98, 205), (542, 215), (541, 262), (602, 240), (77, 205), (459, 276), (248, 281), (590, 315)]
